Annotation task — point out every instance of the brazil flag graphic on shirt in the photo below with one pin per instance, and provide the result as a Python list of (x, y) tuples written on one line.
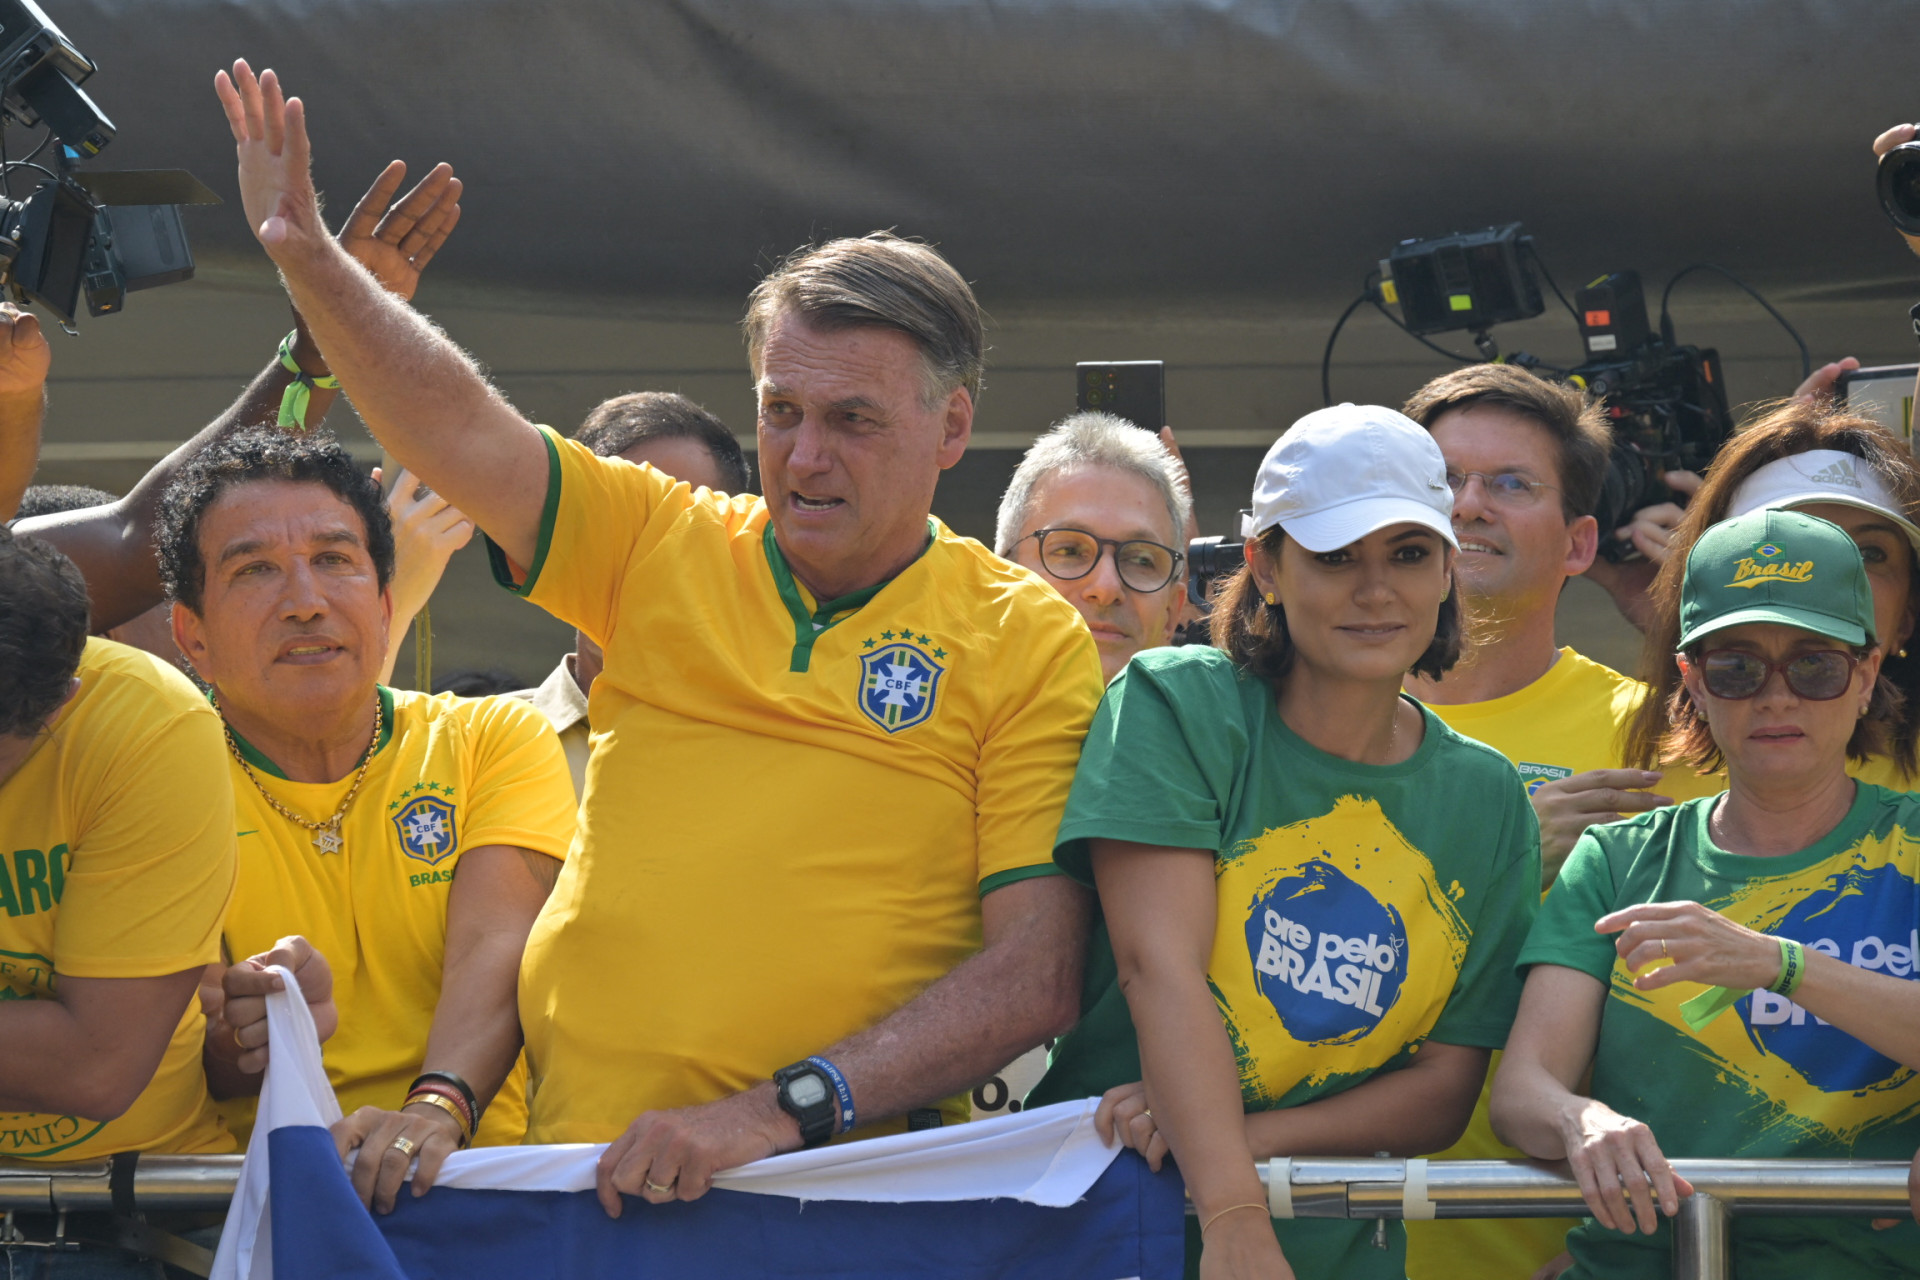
[(1805, 1078), (1348, 949)]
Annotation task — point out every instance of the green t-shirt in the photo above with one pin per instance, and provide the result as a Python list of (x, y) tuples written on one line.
[(1766, 1079), (1362, 908)]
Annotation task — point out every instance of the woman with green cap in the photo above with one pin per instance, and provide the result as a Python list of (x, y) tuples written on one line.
[(1736, 973)]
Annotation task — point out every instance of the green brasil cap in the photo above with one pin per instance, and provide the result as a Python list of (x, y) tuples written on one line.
[(1776, 566)]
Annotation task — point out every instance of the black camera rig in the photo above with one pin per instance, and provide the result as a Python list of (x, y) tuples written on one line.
[(1667, 402), (109, 233)]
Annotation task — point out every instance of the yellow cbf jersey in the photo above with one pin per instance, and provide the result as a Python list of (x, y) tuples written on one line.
[(792, 807), (116, 861), (1568, 721), (450, 774)]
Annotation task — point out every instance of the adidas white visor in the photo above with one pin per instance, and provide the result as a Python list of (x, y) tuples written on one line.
[(1820, 475)]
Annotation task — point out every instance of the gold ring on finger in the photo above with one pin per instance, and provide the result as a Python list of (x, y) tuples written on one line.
[(238, 1042), (405, 1146), (656, 1188), (1147, 1113), (1663, 950)]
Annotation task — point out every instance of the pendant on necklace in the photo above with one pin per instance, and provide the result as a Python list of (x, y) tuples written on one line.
[(327, 839)]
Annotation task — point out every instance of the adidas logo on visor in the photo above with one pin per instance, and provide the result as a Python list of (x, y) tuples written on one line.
[(1836, 473)]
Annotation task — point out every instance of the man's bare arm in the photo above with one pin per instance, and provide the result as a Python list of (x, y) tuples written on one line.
[(113, 545), (91, 1051), (24, 356), (1020, 988), (417, 392)]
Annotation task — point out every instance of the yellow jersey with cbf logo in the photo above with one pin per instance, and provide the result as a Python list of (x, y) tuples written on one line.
[(793, 807), (449, 775), (116, 861)]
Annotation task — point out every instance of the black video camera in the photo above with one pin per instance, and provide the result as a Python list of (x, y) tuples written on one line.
[(1666, 403), (1898, 182), (1208, 561), (106, 233)]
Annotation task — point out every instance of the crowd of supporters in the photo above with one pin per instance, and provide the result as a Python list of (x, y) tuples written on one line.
[(1381, 867)]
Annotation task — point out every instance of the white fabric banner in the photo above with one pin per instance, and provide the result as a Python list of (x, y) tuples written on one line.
[(1049, 1156)]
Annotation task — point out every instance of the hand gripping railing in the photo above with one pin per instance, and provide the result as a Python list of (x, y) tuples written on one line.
[(1413, 1189), (1298, 1188)]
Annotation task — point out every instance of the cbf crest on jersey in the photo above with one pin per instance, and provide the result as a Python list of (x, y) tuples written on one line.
[(427, 829), (899, 682)]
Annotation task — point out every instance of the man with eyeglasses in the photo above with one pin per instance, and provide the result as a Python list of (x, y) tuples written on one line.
[(1525, 458), (1097, 508)]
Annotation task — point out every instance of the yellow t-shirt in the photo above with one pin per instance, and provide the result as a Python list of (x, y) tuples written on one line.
[(450, 774), (118, 862), (792, 809), (1568, 721), (1881, 771)]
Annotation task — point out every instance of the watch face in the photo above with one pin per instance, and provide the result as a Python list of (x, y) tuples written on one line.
[(807, 1091)]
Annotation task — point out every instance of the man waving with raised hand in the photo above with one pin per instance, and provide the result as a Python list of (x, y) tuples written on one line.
[(872, 923)]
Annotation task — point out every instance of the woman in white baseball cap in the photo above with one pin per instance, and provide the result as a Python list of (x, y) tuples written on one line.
[(1807, 457), (1315, 891)]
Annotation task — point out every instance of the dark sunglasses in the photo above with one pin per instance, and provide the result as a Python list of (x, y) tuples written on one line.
[(1820, 676)]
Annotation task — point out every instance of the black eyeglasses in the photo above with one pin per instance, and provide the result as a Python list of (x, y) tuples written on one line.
[(1072, 553), (1820, 676)]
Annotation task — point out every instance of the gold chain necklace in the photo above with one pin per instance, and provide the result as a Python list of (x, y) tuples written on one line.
[(326, 835)]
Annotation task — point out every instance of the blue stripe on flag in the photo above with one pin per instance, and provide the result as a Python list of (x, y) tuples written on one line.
[(320, 1229), (1130, 1224)]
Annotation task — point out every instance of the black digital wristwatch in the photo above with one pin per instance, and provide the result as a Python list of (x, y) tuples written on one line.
[(806, 1094)]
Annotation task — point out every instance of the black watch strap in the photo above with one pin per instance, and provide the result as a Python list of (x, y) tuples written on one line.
[(806, 1093)]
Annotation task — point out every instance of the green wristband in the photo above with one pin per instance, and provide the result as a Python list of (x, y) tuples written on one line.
[(299, 393), (1793, 968), (1714, 1001)]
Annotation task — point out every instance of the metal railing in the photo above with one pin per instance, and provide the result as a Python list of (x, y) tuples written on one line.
[(1375, 1189), (1723, 1189)]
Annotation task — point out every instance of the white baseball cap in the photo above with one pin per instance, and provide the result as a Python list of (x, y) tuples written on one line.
[(1820, 475), (1342, 472)]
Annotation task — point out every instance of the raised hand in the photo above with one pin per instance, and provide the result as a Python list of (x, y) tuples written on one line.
[(276, 180), (396, 241), (24, 354)]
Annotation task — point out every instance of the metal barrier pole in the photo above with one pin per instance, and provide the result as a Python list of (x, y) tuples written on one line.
[(159, 1182), (1701, 1238)]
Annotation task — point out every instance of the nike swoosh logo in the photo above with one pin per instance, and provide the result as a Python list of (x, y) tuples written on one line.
[(254, 832)]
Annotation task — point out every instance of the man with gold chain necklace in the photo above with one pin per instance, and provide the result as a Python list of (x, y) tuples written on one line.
[(393, 847)]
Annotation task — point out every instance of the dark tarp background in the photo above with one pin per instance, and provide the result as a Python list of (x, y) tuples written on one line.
[(1200, 181), (1100, 148)]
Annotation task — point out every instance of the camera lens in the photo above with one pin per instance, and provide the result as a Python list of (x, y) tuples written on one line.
[(1899, 184), (1621, 491)]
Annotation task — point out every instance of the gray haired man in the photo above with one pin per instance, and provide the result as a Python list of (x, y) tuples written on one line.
[(1098, 508)]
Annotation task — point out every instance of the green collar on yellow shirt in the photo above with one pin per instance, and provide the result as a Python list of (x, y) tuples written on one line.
[(253, 756), (808, 625)]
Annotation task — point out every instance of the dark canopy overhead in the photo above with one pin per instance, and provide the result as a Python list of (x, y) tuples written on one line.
[(1059, 148)]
